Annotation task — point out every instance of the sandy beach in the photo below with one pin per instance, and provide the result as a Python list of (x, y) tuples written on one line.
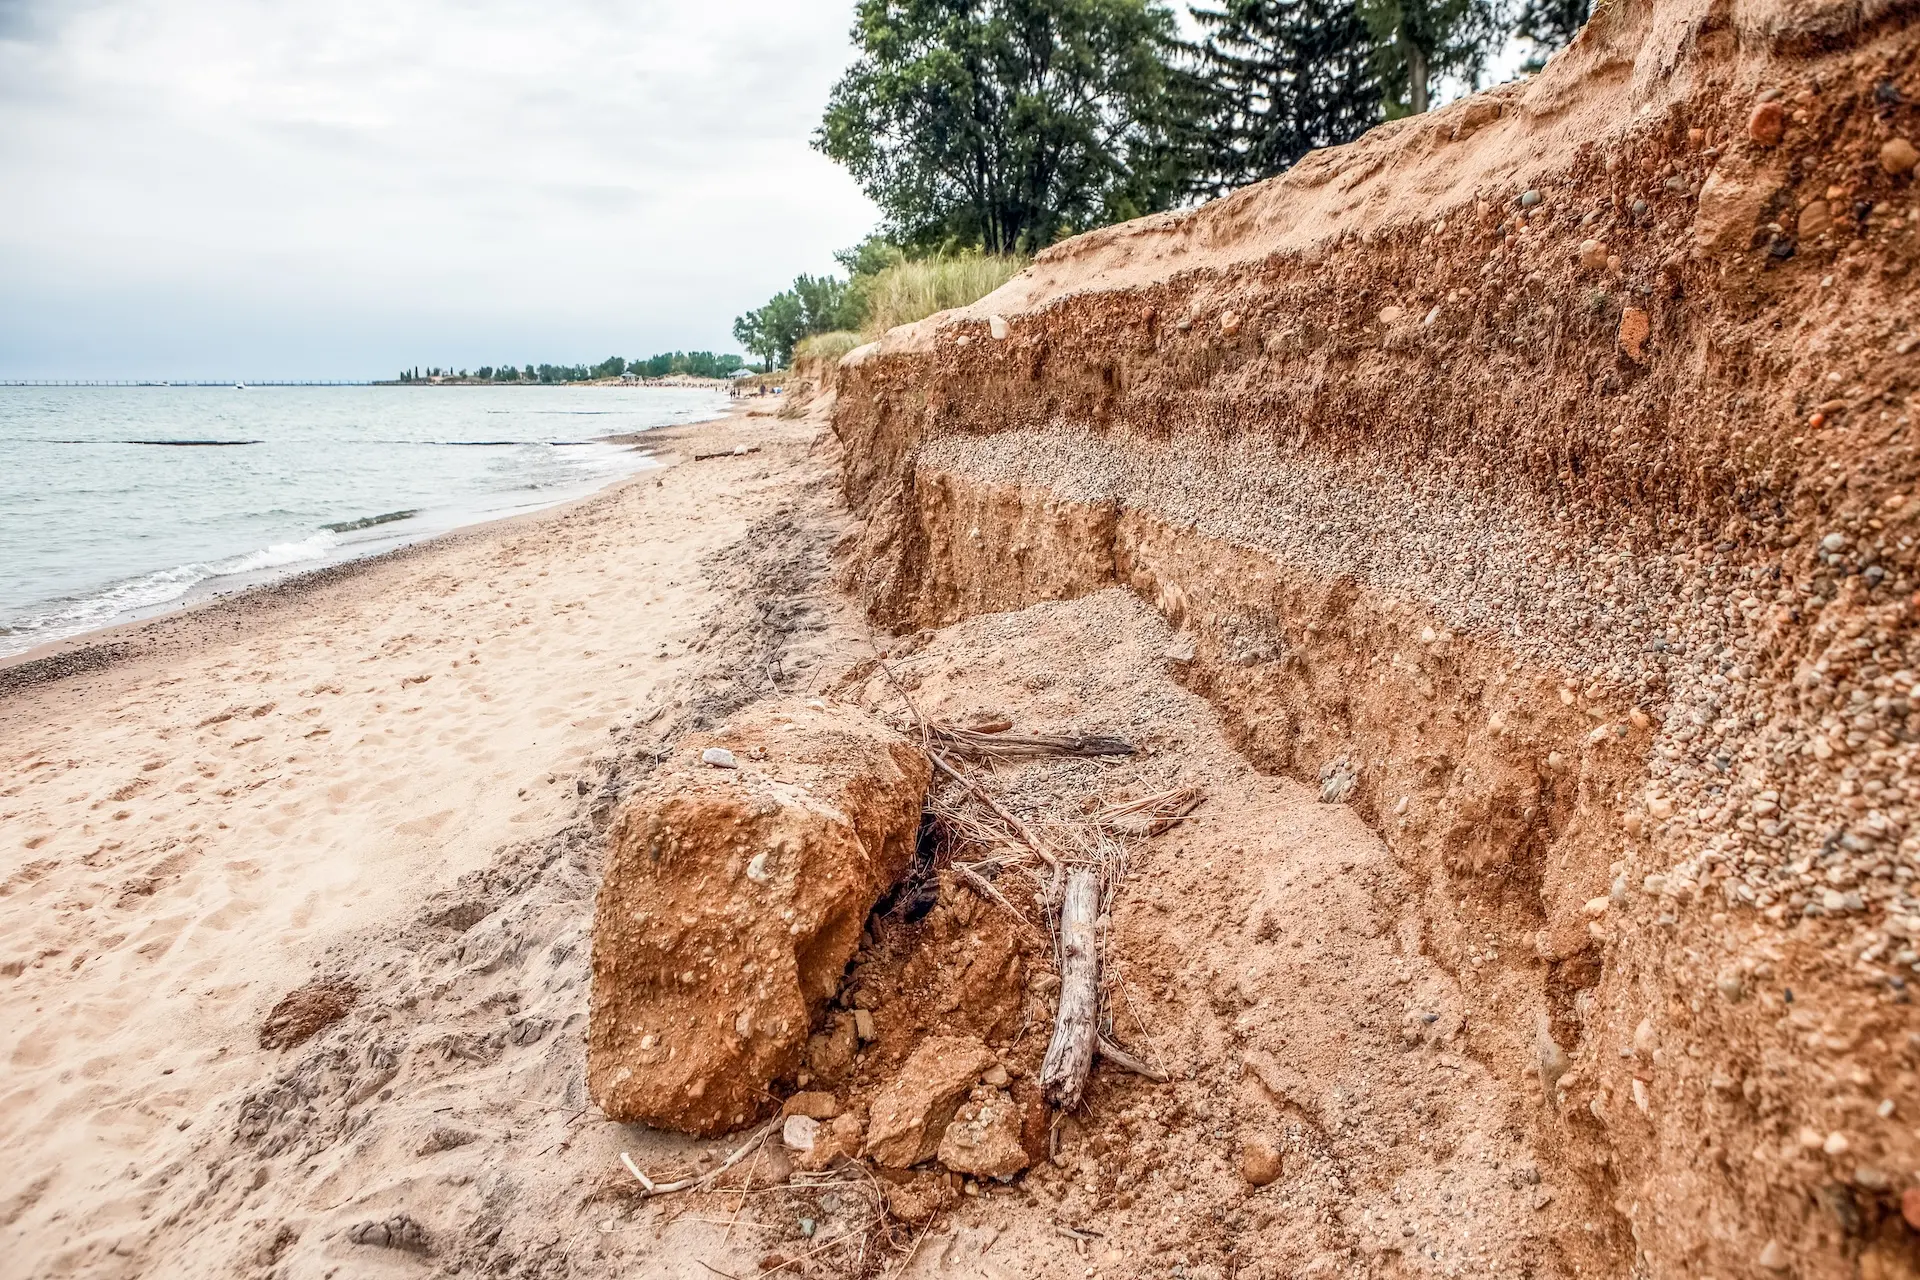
[(213, 808)]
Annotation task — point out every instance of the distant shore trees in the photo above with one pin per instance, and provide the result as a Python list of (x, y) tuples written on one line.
[(696, 364)]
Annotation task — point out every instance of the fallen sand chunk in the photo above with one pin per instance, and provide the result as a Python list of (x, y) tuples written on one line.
[(706, 977), (910, 1114), (984, 1136)]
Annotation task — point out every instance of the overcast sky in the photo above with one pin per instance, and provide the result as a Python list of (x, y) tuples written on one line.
[(338, 188)]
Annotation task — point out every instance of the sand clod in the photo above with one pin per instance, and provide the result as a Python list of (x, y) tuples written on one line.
[(732, 902)]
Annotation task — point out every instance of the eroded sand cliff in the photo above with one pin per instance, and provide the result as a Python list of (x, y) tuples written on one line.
[(1538, 475)]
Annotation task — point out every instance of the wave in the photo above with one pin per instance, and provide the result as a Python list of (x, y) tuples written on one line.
[(151, 590)]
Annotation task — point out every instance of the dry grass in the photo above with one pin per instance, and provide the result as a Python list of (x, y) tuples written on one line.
[(913, 291)]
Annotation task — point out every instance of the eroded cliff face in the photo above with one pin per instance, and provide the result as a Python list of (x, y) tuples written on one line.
[(1539, 476)]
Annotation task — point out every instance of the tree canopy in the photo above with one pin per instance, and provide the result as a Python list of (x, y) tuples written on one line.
[(1273, 80), (1004, 124)]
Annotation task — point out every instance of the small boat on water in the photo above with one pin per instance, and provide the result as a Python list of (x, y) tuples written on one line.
[(239, 386)]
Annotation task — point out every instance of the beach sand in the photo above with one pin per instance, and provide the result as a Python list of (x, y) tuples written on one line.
[(221, 805)]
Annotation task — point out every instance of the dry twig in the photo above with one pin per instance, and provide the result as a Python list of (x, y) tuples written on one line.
[(1150, 815), (653, 1188)]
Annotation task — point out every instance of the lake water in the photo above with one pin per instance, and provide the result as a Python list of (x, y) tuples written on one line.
[(105, 516)]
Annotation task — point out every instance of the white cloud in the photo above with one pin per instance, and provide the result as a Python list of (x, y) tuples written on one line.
[(289, 187)]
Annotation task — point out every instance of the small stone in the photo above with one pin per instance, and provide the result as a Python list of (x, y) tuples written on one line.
[(1260, 1161), (397, 1232), (1898, 156), (998, 327), (1768, 124), (996, 1076), (987, 722), (1645, 1038), (1774, 1257), (1871, 1178), (1910, 1207), (863, 1025), (1836, 1144), (800, 1133), (1834, 542), (814, 1104), (1229, 325), (1392, 315), (719, 758), (1593, 255), (757, 869), (1529, 198), (1732, 986), (1816, 218)]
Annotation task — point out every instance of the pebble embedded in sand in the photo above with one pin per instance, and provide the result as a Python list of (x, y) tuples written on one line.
[(1898, 156), (719, 758), (1774, 1257), (1593, 255), (1260, 1162), (1768, 124), (1815, 219)]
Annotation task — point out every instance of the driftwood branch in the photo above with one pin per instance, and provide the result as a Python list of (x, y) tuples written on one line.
[(1014, 746), (1120, 1058), (1063, 1076)]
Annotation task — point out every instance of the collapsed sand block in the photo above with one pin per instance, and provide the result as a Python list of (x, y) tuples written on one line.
[(984, 1136), (911, 1113), (733, 898)]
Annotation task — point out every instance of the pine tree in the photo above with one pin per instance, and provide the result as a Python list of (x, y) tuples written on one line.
[(1276, 79)]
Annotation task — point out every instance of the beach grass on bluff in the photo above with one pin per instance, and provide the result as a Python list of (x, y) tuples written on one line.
[(914, 290), (827, 346)]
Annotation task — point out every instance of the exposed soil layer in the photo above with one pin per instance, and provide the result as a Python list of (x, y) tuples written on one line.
[(1537, 477)]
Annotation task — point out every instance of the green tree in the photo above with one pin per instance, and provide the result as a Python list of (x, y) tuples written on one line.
[(1005, 124), (772, 331), (1276, 79), (1418, 41)]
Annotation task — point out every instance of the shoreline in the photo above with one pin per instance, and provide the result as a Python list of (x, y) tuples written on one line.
[(61, 658)]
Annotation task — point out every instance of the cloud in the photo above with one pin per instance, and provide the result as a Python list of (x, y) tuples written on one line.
[(268, 187)]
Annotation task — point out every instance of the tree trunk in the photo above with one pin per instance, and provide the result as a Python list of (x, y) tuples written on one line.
[(1070, 1054), (1417, 78)]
